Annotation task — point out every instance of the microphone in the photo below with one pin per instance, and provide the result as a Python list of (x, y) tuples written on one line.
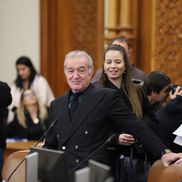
[(41, 138), (108, 140), (46, 132)]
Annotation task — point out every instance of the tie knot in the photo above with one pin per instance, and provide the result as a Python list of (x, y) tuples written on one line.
[(74, 96)]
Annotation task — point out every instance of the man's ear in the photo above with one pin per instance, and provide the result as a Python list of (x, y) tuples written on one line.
[(91, 72)]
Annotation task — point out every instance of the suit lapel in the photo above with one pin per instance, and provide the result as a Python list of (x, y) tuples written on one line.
[(63, 116), (88, 103)]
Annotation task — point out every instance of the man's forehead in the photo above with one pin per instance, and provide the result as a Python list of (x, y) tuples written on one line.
[(123, 44), (77, 61)]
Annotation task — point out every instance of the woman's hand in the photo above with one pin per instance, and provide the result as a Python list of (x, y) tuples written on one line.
[(126, 139)]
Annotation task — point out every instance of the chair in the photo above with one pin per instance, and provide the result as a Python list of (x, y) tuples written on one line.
[(11, 163), (159, 173)]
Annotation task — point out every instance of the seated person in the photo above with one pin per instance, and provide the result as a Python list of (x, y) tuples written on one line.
[(170, 118), (28, 78), (30, 120)]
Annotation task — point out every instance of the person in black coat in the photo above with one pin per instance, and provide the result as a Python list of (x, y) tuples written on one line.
[(100, 113), (117, 76), (170, 118), (5, 100)]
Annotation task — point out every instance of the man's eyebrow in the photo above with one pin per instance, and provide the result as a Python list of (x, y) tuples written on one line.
[(81, 67)]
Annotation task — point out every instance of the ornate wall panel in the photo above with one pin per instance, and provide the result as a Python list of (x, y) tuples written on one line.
[(87, 28), (67, 25), (168, 42), (122, 21)]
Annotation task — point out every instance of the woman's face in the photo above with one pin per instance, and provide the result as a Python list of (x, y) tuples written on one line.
[(29, 97), (114, 65), (23, 71)]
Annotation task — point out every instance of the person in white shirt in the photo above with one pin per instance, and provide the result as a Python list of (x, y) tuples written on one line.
[(28, 78)]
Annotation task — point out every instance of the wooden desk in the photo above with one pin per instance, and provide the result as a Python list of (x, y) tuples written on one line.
[(17, 145)]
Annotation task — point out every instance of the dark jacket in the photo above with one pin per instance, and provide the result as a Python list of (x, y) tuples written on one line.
[(137, 73), (149, 118), (32, 132), (100, 113), (170, 118), (5, 100)]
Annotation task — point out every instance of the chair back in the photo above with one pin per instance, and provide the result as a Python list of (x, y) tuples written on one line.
[(159, 173), (11, 163)]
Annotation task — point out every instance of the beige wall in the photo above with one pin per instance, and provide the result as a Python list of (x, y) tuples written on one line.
[(19, 34)]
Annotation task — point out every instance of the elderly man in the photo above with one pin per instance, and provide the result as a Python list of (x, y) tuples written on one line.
[(99, 112)]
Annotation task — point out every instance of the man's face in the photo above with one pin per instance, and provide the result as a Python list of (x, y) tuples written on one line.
[(78, 73), (125, 45), (162, 95)]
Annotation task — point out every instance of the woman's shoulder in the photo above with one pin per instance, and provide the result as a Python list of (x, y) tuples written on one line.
[(40, 80), (39, 77)]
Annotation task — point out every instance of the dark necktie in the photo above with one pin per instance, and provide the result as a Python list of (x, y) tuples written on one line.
[(74, 102)]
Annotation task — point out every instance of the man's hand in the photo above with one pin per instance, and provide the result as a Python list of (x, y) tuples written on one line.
[(179, 161), (171, 158), (177, 92), (126, 139)]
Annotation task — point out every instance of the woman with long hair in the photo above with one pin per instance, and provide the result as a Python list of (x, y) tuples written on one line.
[(30, 120), (117, 75), (28, 78)]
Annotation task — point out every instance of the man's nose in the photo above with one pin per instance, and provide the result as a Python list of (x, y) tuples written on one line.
[(75, 74)]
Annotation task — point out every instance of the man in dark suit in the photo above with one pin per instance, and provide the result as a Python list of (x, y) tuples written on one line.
[(100, 112)]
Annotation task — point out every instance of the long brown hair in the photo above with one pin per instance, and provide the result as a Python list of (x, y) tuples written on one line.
[(127, 84)]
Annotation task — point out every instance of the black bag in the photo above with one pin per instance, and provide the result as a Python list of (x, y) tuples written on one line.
[(133, 170)]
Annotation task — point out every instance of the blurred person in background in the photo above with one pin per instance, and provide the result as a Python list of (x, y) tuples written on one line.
[(28, 78), (30, 120), (5, 101), (157, 88)]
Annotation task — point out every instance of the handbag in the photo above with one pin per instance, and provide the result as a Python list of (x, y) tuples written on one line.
[(133, 169)]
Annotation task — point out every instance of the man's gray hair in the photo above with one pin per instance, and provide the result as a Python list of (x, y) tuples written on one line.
[(80, 54)]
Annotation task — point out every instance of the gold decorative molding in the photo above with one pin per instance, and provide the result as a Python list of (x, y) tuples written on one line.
[(67, 25), (168, 38), (88, 28), (122, 22)]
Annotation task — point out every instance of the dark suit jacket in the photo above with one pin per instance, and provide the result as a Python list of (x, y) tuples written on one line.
[(170, 118), (100, 113), (5, 100)]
